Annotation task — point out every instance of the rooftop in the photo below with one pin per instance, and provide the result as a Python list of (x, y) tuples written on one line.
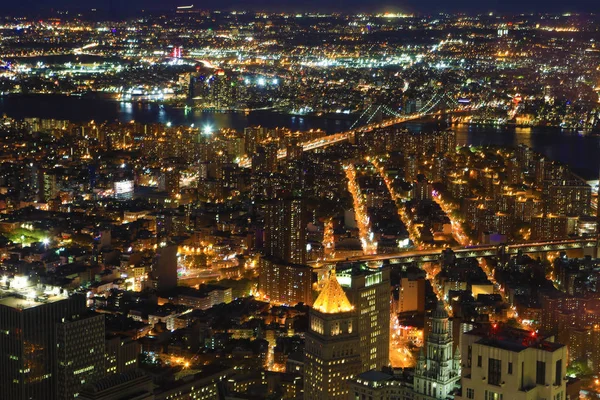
[(332, 299), (512, 339), (374, 376), (19, 293)]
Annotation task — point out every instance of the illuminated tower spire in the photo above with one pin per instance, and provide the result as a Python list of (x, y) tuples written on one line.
[(332, 298)]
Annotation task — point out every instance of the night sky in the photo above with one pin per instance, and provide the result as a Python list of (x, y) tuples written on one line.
[(421, 6)]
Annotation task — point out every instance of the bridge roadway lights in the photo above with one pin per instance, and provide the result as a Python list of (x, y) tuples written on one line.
[(340, 137), (500, 251)]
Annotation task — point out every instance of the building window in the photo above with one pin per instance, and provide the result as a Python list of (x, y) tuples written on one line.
[(469, 354), (492, 396), (558, 373), (479, 361), (510, 368), (470, 393), (494, 371), (540, 373)]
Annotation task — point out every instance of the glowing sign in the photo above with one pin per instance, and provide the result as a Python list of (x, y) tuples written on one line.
[(123, 187)]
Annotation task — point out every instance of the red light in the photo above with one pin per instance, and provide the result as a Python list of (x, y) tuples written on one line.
[(532, 334)]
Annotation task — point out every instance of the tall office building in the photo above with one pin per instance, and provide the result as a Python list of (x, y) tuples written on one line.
[(264, 158), (438, 369), (50, 185), (48, 347), (506, 363), (285, 230), (80, 351), (331, 352), (369, 292)]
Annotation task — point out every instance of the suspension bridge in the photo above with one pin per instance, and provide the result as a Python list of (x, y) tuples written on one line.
[(377, 117)]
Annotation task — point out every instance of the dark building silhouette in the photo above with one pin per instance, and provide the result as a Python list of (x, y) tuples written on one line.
[(49, 344)]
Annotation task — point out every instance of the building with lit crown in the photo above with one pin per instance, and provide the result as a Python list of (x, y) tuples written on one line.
[(331, 353)]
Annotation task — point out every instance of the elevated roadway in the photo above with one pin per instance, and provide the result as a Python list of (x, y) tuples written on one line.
[(432, 255)]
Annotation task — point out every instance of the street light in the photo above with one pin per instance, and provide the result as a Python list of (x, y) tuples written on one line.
[(207, 129)]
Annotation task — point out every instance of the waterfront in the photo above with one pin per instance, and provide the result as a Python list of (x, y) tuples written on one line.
[(578, 151)]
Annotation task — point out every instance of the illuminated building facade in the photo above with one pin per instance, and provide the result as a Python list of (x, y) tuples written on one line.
[(121, 355), (284, 277), (505, 363), (331, 353), (285, 283), (412, 294), (369, 292), (285, 230), (568, 197)]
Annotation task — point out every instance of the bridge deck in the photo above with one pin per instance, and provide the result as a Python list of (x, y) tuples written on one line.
[(471, 252)]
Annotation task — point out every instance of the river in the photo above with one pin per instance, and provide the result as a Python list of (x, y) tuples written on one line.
[(580, 152)]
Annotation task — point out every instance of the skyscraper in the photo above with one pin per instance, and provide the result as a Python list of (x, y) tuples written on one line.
[(169, 181), (438, 370), (284, 277), (80, 352), (285, 283), (331, 352), (48, 347), (369, 292), (285, 230)]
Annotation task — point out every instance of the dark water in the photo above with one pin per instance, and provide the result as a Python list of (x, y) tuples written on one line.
[(580, 152), (79, 109)]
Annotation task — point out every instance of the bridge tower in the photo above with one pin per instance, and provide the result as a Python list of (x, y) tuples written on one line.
[(441, 101), (375, 113)]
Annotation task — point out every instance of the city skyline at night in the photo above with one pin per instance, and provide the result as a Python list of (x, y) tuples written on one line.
[(299, 201)]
